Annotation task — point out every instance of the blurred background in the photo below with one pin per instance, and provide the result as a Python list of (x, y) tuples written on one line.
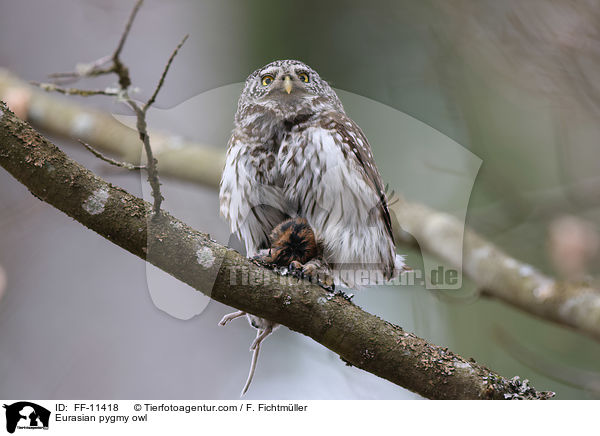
[(514, 83)]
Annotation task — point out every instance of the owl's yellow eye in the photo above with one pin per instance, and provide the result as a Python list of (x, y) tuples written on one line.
[(267, 80), (303, 77)]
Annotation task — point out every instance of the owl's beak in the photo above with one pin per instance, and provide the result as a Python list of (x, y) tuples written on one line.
[(287, 84)]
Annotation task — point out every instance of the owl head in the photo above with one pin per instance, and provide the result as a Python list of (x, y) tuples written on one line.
[(287, 88)]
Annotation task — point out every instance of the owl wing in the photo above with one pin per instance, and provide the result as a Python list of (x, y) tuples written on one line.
[(334, 144), (249, 197), (357, 142), (330, 175)]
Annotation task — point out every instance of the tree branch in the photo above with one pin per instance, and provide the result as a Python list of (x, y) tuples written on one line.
[(499, 275), (51, 87), (185, 160), (94, 69), (122, 72), (360, 338)]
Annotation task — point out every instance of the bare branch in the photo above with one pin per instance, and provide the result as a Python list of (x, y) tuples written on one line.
[(499, 275), (116, 163), (180, 158), (118, 67), (93, 69), (121, 70), (90, 69), (152, 164), (51, 87), (145, 138), (125, 34), (360, 338)]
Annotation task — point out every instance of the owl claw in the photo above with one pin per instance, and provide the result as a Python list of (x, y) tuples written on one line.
[(295, 266), (316, 272), (263, 255), (309, 269)]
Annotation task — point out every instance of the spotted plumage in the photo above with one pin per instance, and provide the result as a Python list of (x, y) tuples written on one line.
[(297, 153), (296, 162)]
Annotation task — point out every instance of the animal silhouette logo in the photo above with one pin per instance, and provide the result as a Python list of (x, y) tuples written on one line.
[(26, 415)]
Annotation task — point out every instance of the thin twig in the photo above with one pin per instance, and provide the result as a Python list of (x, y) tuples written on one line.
[(51, 87), (152, 163), (90, 69), (178, 157), (152, 99), (122, 72), (126, 165), (118, 67), (93, 69), (121, 44)]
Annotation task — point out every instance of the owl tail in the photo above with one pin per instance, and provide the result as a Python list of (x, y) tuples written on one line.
[(382, 276), (400, 266)]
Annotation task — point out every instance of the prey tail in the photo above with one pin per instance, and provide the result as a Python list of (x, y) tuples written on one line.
[(252, 366)]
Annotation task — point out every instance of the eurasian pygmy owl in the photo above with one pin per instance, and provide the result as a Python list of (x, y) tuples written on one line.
[(294, 152)]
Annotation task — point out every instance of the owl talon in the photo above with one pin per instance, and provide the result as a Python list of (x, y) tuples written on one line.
[(327, 280), (295, 266), (263, 255), (309, 270), (317, 272)]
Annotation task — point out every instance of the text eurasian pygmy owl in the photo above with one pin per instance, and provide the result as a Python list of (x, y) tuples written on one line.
[(295, 153)]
